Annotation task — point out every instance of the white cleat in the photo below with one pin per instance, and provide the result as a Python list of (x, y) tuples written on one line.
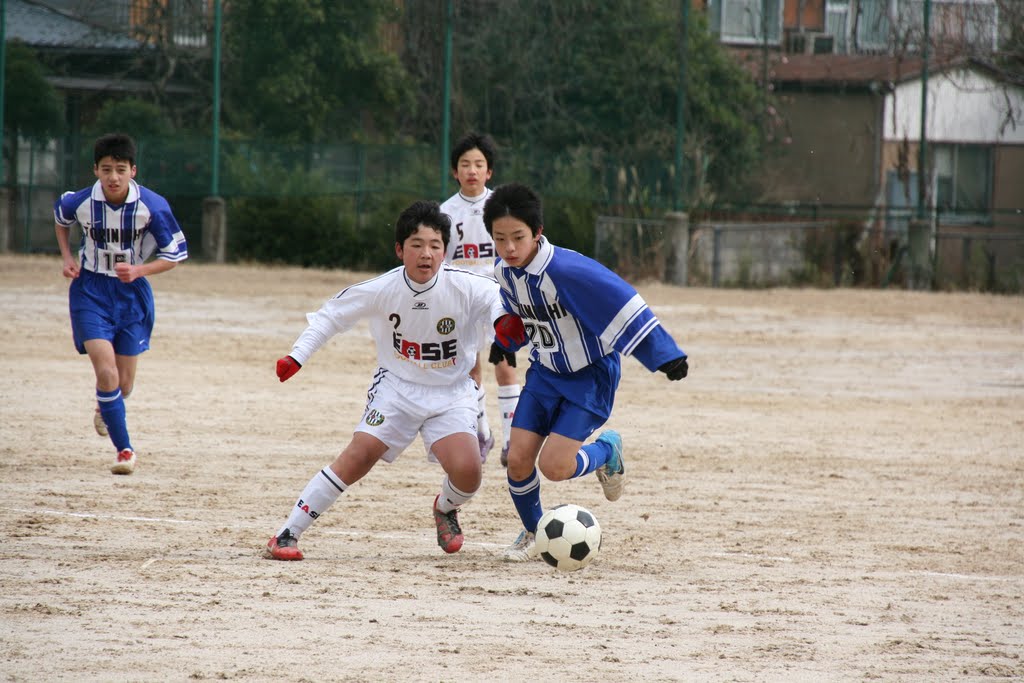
[(523, 549), (124, 463), (612, 474), (99, 424)]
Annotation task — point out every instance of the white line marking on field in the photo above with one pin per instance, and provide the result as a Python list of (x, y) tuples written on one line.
[(968, 577), (148, 562)]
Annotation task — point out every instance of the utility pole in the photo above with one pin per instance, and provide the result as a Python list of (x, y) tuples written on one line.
[(446, 106), (919, 229), (215, 221)]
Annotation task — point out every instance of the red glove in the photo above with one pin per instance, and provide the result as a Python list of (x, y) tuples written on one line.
[(509, 332), (286, 367)]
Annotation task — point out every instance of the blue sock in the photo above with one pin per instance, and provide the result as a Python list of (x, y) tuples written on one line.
[(590, 457), (526, 497), (112, 410)]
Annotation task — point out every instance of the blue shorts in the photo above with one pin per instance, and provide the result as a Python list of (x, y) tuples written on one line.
[(573, 405), (103, 307)]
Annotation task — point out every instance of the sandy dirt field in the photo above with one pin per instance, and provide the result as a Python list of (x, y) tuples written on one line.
[(836, 493)]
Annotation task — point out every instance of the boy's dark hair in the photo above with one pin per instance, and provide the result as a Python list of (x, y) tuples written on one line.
[(118, 146), (469, 141), (515, 200), (426, 213)]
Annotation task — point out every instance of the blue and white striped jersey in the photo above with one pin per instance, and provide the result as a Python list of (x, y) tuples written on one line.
[(129, 233), (575, 311)]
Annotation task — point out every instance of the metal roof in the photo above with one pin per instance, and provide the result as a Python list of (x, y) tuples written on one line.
[(40, 26)]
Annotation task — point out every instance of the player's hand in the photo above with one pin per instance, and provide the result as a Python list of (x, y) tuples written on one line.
[(70, 269), (509, 332), (675, 369), (126, 272), (499, 354), (286, 367)]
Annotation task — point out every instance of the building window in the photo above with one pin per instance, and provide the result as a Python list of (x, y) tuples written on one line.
[(747, 22), (837, 21), (884, 25), (963, 181)]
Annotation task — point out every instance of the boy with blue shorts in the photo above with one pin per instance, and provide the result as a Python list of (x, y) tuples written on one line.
[(578, 318), (111, 303)]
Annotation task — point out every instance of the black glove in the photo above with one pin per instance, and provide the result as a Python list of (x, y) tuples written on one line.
[(675, 369), (499, 354)]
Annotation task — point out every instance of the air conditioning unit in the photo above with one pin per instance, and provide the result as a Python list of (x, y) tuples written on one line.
[(822, 43)]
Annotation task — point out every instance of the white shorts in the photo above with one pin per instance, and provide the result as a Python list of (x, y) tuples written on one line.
[(398, 410)]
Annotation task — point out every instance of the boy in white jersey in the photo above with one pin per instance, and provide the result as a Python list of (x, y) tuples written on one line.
[(578, 318), (471, 248), (111, 303), (425, 317)]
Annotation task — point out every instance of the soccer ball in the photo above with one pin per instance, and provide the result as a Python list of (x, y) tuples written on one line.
[(568, 537)]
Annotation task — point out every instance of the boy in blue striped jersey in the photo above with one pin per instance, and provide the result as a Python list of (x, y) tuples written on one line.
[(111, 302), (578, 318)]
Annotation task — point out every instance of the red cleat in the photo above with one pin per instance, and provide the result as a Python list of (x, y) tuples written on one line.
[(283, 547), (449, 533)]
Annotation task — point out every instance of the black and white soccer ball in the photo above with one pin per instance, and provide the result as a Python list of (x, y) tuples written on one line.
[(568, 537)]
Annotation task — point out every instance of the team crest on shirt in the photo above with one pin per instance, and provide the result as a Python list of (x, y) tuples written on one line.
[(445, 326), (374, 418)]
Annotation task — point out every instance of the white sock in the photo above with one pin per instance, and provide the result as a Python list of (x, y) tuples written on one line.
[(508, 398), (451, 498), (320, 493), (483, 428)]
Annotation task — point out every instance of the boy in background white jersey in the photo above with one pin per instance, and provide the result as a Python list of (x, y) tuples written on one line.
[(471, 248), (425, 317), (111, 303)]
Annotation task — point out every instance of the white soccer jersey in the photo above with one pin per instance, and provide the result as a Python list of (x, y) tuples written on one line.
[(470, 247), (428, 334)]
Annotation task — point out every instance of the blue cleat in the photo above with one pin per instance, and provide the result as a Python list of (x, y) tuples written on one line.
[(612, 474)]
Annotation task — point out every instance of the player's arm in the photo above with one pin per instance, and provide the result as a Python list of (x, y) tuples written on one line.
[(70, 267), (659, 351), (127, 272), (335, 316)]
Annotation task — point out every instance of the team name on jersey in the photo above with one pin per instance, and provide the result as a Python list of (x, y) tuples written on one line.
[(431, 351), (552, 311), (104, 235), (468, 251)]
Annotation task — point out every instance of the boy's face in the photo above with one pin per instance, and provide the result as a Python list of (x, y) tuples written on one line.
[(422, 254), (472, 173), (114, 175), (514, 241)]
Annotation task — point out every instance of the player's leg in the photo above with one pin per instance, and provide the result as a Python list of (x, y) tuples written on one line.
[(326, 486), (529, 430), (126, 366), (132, 330), (565, 457), (389, 424), (111, 403), (483, 427), (460, 460), (508, 397)]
